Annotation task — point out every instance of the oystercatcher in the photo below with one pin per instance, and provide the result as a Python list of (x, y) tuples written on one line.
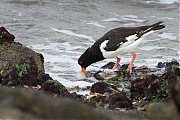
[(115, 43)]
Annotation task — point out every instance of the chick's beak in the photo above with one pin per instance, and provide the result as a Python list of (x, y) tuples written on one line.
[(83, 70)]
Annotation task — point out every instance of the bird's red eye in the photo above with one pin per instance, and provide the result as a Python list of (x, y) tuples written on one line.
[(80, 62)]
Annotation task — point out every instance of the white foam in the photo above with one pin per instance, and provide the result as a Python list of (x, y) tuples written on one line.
[(132, 19), (129, 16), (112, 20), (178, 52), (95, 24), (81, 84), (163, 1), (20, 14), (149, 48), (86, 92), (169, 18), (169, 36), (68, 32), (168, 1)]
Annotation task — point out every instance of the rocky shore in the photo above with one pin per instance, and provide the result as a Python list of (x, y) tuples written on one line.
[(27, 92)]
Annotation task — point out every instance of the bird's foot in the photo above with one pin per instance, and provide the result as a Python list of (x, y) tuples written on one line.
[(116, 64), (129, 69), (114, 68)]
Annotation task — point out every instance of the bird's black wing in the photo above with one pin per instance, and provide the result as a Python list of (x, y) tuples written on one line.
[(117, 37)]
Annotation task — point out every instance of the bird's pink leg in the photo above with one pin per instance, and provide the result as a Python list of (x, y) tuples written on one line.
[(131, 63), (116, 64)]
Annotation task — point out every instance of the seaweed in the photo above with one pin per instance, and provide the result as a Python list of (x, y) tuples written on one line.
[(22, 69), (57, 84)]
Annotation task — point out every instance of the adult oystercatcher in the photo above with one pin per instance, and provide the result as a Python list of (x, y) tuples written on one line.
[(115, 43)]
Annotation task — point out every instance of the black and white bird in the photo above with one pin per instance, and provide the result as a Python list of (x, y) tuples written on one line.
[(115, 43)]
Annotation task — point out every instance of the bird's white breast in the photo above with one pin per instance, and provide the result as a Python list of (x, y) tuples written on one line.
[(126, 47)]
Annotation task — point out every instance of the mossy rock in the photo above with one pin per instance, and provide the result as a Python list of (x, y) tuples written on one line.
[(13, 54)]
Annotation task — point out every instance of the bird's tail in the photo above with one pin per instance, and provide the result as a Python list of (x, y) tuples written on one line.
[(147, 29), (157, 26)]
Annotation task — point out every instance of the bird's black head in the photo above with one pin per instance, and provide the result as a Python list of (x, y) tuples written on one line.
[(85, 60)]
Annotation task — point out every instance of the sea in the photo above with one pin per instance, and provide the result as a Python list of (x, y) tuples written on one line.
[(62, 30)]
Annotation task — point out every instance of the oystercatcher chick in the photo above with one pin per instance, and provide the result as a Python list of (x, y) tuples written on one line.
[(115, 43)]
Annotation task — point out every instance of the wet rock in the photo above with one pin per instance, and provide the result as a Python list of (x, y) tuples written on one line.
[(98, 100), (19, 65), (14, 53), (177, 72), (73, 95), (100, 75), (43, 78), (156, 86), (118, 100), (166, 110), (152, 84), (5, 36), (170, 76), (162, 111), (143, 69), (21, 103), (175, 94), (53, 86), (124, 67), (136, 87), (102, 87), (109, 65), (147, 87), (167, 65), (23, 73), (103, 95), (104, 75)]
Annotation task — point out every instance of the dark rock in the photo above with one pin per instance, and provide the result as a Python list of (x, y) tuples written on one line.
[(30, 78), (124, 67), (175, 94), (5, 36), (49, 87), (42, 57), (21, 103), (167, 65), (23, 73), (151, 84), (114, 99), (99, 75), (19, 65), (73, 95), (161, 65), (147, 87), (102, 87), (53, 86), (9, 61), (120, 101), (43, 78), (162, 111), (109, 65), (100, 100), (177, 72), (171, 77), (137, 88)]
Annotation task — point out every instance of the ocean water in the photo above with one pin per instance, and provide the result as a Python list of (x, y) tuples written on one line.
[(63, 29)]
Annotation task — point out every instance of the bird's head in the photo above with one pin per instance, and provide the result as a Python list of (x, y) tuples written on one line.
[(85, 60)]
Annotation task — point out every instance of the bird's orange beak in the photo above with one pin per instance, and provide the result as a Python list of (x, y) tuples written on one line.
[(83, 70)]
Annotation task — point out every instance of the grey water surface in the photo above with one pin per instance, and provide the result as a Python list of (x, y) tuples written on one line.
[(62, 29)]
